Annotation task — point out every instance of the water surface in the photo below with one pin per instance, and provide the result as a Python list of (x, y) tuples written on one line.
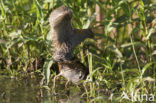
[(28, 90)]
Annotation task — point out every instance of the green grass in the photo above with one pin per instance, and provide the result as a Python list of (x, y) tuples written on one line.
[(124, 61)]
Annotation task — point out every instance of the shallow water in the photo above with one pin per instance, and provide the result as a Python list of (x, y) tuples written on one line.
[(19, 91), (28, 90)]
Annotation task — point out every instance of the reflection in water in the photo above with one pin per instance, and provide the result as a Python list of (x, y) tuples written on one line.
[(19, 91), (28, 90), (72, 99)]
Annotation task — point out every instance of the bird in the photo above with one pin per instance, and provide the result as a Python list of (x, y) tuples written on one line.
[(64, 36), (74, 72)]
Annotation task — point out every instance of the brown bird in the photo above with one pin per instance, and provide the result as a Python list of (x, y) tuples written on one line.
[(65, 37), (74, 71)]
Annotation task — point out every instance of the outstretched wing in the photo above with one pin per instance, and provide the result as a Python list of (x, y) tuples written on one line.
[(60, 22), (80, 35)]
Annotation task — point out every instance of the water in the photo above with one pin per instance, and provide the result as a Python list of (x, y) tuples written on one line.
[(28, 90)]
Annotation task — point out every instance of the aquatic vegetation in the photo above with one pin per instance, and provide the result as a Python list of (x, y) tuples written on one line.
[(121, 60)]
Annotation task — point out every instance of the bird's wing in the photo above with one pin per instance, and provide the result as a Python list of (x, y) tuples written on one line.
[(60, 22), (80, 35), (56, 20)]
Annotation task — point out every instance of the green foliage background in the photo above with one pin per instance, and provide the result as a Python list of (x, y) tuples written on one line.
[(126, 55)]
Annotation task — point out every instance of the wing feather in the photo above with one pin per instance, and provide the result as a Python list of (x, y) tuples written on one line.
[(60, 22)]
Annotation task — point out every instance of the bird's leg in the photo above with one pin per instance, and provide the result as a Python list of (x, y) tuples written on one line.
[(55, 80), (66, 87), (67, 83)]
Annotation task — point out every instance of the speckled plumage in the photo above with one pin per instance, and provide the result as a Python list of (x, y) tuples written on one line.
[(74, 72)]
